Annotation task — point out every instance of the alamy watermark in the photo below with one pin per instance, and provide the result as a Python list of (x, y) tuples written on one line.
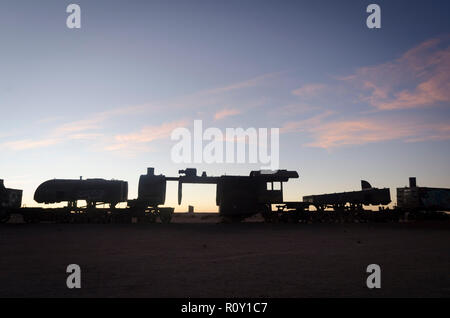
[(74, 279), (374, 279), (235, 145), (73, 21), (373, 21)]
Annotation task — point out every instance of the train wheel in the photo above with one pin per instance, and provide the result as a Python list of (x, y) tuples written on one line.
[(30, 219), (294, 217), (268, 215), (4, 216), (165, 215), (150, 217), (122, 218)]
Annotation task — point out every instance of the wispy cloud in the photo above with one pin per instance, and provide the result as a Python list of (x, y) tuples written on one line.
[(309, 90), (419, 78), (85, 136), (93, 125), (78, 126), (50, 119), (256, 81), (336, 133), (26, 144), (138, 141), (74, 130), (95, 120), (306, 124), (227, 112)]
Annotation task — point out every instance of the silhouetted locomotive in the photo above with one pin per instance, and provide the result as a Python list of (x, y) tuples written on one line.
[(237, 197)]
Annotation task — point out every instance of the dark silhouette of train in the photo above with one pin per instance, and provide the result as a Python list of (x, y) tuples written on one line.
[(90, 190), (10, 201), (423, 198), (355, 199), (237, 197)]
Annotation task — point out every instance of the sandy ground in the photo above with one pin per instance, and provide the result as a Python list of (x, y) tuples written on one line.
[(195, 257)]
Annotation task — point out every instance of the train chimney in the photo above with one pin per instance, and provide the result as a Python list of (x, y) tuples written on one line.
[(412, 182), (365, 185), (151, 171)]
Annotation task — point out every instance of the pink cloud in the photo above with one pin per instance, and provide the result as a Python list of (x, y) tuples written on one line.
[(226, 113), (95, 120), (26, 144), (84, 136), (308, 90), (78, 126), (306, 124), (92, 126), (419, 78), (338, 133), (256, 81), (137, 141)]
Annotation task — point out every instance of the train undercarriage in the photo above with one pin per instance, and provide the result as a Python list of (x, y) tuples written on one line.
[(92, 215), (288, 212)]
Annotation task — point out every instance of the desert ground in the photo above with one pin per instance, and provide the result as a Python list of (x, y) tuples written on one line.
[(196, 256)]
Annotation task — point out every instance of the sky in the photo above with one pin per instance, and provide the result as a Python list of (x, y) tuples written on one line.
[(350, 102)]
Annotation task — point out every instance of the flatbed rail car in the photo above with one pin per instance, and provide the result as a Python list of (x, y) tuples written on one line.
[(344, 206), (340, 207), (300, 212), (353, 200)]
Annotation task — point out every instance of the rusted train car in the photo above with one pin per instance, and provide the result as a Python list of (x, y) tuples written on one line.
[(354, 199), (93, 191), (96, 193), (417, 199)]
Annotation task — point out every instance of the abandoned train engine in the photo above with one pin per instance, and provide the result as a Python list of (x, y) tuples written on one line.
[(151, 194), (239, 197), (243, 196)]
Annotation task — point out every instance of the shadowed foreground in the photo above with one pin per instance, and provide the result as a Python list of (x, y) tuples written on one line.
[(225, 260)]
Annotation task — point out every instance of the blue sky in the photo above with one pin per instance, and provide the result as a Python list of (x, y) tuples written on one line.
[(101, 101)]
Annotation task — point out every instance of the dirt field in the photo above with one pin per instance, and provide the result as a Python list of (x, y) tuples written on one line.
[(195, 257)]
